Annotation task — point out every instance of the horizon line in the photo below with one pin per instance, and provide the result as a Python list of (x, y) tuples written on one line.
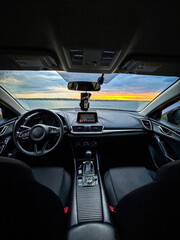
[(75, 99)]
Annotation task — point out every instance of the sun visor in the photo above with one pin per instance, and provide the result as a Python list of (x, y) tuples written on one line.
[(30, 61), (151, 66)]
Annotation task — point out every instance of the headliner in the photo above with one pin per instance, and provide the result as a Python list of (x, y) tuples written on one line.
[(135, 28)]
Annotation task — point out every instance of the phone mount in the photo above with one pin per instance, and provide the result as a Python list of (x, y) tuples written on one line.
[(84, 104)]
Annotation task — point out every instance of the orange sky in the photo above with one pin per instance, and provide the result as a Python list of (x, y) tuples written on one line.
[(125, 96), (95, 95)]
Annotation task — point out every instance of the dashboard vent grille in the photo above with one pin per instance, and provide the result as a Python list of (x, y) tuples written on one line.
[(96, 128), (78, 128), (87, 128), (147, 124)]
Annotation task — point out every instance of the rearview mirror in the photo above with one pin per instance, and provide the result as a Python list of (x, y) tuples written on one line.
[(84, 86)]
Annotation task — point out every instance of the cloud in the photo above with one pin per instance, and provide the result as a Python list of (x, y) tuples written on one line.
[(57, 89), (30, 81), (138, 83), (51, 84), (9, 79)]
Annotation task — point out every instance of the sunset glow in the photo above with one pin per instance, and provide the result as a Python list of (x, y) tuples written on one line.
[(95, 96), (126, 96), (51, 85)]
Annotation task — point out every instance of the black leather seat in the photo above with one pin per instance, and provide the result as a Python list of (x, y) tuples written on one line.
[(55, 178), (123, 180), (150, 210), (28, 209)]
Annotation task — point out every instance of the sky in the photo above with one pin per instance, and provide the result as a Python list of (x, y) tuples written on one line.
[(50, 84)]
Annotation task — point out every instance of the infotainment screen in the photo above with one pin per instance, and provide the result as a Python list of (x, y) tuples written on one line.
[(84, 117)]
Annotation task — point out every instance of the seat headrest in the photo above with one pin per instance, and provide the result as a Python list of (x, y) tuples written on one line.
[(170, 172), (13, 170)]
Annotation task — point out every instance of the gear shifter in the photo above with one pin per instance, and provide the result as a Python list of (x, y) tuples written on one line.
[(88, 166), (88, 155)]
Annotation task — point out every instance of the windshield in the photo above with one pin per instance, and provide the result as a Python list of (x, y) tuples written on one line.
[(48, 89)]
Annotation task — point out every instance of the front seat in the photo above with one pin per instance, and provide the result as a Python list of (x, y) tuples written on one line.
[(152, 210), (123, 180), (28, 209), (56, 179)]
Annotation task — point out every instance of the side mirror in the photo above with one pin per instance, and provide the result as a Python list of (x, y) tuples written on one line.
[(174, 116), (84, 86)]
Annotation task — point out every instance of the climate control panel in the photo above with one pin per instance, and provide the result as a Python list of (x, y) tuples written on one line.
[(85, 144)]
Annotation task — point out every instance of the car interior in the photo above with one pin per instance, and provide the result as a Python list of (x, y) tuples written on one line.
[(89, 120)]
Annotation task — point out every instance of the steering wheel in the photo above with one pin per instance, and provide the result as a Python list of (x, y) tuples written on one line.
[(37, 139)]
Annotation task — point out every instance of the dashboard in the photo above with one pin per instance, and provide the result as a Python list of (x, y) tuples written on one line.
[(102, 121), (85, 128)]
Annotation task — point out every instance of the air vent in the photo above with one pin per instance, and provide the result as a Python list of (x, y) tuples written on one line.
[(96, 128), (78, 128), (147, 124), (107, 57), (87, 128), (76, 56)]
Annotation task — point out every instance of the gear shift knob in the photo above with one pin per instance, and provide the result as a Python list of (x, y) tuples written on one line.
[(88, 166), (88, 155)]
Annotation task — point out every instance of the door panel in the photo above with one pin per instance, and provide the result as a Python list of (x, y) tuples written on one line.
[(166, 146), (6, 138)]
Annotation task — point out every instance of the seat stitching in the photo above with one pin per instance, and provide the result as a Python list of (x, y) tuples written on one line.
[(113, 187), (61, 183)]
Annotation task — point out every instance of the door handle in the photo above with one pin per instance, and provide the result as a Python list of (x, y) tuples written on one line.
[(163, 149), (165, 131)]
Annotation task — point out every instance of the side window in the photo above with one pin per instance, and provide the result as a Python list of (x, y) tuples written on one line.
[(171, 114), (6, 114)]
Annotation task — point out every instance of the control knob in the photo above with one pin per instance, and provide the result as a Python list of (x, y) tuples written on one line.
[(89, 180)]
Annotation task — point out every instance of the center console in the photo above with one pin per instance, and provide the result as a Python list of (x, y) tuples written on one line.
[(86, 175), (90, 215), (88, 192)]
